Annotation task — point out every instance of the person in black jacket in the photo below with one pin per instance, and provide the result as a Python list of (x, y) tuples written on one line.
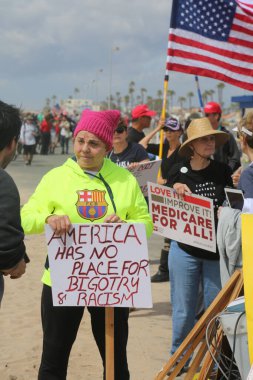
[(13, 256)]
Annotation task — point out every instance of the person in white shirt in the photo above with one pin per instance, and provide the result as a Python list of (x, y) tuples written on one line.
[(28, 139), (65, 134)]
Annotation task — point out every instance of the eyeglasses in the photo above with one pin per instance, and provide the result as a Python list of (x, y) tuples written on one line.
[(120, 130), (166, 129)]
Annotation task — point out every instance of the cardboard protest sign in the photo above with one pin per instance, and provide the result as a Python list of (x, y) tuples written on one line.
[(188, 219), (100, 265), (146, 172)]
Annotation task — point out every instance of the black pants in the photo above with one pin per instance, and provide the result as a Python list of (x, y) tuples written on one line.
[(60, 326), (163, 267), (45, 142)]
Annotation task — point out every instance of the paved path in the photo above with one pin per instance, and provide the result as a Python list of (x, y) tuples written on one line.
[(150, 329)]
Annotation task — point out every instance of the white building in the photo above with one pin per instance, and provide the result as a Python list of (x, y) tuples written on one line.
[(72, 106)]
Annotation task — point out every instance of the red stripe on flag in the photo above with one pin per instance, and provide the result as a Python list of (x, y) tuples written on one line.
[(246, 6), (239, 42), (243, 18), (197, 201), (242, 29), (210, 60), (211, 48), (208, 73)]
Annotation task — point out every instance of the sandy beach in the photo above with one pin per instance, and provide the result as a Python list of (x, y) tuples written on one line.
[(20, 327)]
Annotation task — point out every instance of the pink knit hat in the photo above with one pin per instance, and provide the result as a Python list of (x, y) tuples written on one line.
[(102, 124)]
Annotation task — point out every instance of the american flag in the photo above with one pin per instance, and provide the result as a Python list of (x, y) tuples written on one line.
[(246, 5), (213, 39)]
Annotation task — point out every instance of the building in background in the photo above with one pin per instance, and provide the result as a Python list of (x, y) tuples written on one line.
[(72, 106)]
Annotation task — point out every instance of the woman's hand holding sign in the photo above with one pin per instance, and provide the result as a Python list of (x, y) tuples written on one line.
[(181, 188), (113, 219), (59, 223)]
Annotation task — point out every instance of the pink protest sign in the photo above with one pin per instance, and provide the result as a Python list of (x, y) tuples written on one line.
[(188, 219), (100, 265)]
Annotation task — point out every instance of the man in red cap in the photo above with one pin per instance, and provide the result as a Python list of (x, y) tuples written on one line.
[(141, 119), (229, 152)]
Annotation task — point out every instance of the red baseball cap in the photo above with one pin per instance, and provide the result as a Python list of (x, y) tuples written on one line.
[(142, 110), (212, 107)]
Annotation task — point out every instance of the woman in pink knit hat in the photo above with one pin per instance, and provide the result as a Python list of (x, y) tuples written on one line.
[(59, 201)]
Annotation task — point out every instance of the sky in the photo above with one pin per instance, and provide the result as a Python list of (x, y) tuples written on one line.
[(50, 47)]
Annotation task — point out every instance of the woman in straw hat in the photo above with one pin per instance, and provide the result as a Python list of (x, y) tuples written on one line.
[(188, 265)]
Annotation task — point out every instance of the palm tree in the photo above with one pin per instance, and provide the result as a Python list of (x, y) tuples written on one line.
[(131, 90), (211, 93), (47, 102), (159, 101), (118, 100), (54, 97), (220, 87), (171, 93), (159, 94), (181, 100), (143, 92), (138, 98), (190, 95), (150, 102), (112, 103), (205, 95), (126, 101), (76, 91)]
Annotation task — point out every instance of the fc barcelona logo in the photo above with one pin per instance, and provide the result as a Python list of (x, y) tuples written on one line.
[(91, 204)]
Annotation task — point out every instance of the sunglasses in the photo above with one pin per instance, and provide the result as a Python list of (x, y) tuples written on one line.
[(167, 129), (120, 129)]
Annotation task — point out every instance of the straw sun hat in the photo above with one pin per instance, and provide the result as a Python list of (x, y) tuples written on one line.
[(201, 128)]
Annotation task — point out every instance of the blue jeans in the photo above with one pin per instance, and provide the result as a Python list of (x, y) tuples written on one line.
[(186, 273), (64, 144)]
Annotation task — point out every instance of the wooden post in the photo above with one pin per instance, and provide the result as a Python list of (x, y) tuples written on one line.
[(109, 343)]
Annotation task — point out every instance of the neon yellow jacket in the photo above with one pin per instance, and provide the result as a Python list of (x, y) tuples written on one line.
[(67, 190)]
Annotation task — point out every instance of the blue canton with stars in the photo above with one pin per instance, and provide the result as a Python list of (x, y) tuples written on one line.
[(209, 18)]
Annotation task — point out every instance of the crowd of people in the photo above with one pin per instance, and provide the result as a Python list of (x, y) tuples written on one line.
[(200, 157), (42, 133)]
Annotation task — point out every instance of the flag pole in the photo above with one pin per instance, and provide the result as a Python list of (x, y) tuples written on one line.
[(163, 114), (199, 94)]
